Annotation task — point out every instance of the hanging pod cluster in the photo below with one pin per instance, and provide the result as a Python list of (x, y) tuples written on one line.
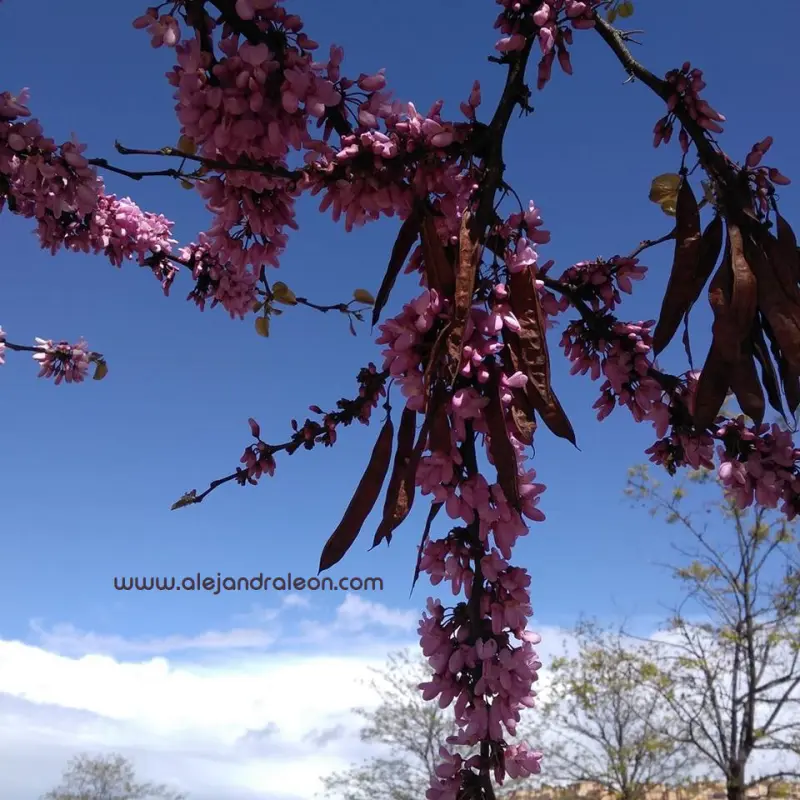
[(755, 298), (453, 272)]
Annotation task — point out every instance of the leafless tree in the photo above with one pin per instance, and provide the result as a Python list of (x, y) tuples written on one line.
[(729, 658), (409, 730), (106, 777)]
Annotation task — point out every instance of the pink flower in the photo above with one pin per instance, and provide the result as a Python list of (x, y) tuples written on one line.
[(62, 361), (521, 762)]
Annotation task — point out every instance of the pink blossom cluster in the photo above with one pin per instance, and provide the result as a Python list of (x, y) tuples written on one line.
[(685, 87), (475, 496), (550, 22), (41, 180), (599, 283), (529, 225), (253, 103), (685, 445), (683, 448), (251, 215), (234, 109), (521, 234), (378, 173), (489, 679), (756, 463), (163, 28), (247, 99), (763, 178), (217, 281), (58, 188), (403, 336), (602, 346), (122, 231), (62, 361), (620, 352), (249, 103), (759, 464), (258, 458)]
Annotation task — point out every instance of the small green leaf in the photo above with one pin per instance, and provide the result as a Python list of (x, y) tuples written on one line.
[(186, 500), (664, 187), (664, 192), (363, 296), (625, 9), (281, 293), (100, 371), (262, 326), (186, 145)]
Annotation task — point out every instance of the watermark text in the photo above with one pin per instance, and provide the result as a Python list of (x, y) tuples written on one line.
[(257, 583)]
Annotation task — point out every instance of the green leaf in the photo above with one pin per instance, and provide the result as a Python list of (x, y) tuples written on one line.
[(262, 326), (186, 500), (363, 296), (100, 371), (281, 293), (664, 187), (625, 9), (664, 192), (186, 145)]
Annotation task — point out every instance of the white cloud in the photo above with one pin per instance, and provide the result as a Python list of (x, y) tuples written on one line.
[(267, 718), (363, 622), (68, 640), (355, 614), (255, 721), (296, 600)]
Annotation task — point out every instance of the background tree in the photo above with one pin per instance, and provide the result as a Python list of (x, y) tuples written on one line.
[(729, 665), (601, 723), (412, 731), (106, 777)]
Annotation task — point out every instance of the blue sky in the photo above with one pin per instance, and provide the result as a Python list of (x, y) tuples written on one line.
[(89, 472)]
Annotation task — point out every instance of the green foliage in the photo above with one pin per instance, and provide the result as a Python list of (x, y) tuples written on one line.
[(622, 8), (602, 722)]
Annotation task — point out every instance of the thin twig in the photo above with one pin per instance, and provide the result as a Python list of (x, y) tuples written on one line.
[(212, 163), (136, 176)]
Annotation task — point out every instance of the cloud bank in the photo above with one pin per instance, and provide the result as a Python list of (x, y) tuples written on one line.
[(221, 714)]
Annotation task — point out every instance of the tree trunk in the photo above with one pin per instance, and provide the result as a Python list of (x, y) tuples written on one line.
[(734, 783)]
